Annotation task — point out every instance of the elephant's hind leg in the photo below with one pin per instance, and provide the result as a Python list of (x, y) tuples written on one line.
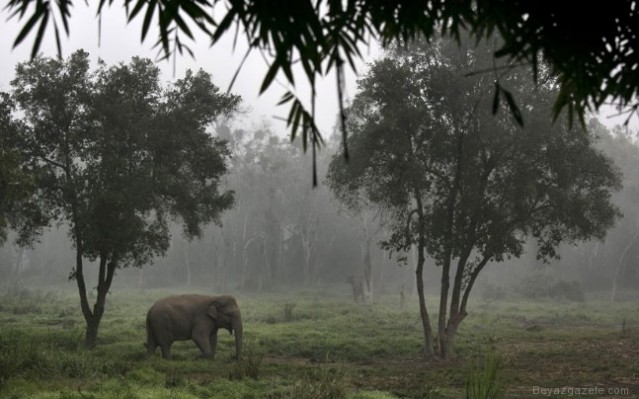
[(151, 344), (166, 350)]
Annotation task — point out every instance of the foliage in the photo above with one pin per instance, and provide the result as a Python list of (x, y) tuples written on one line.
[(115, 156), (593, 55), (494, 292), (540, 285), (467, 187)]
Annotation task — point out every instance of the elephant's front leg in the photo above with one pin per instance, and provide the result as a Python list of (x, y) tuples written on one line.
[(201, 338), (213, 342)]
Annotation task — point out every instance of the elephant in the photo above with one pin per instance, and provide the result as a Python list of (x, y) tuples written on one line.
[(357, 283), (192, 317)]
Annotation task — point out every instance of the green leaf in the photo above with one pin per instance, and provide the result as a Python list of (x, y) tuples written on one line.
[(147, 18), (26, 29), (40, 34), (136, 9), (180, 22), (57, 40), (270, 75)]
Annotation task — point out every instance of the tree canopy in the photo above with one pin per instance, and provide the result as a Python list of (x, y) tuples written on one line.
[(464, 186), (594, 53), (115, 156)]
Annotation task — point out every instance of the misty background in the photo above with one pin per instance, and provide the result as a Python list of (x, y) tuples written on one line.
[(282, 232)]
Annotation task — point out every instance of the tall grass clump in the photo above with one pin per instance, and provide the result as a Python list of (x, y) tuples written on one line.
[(485, 377), (288, 311), (248, 365), (17, 356), (320, 382)]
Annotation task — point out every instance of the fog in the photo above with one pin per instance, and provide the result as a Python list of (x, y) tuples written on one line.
[(283, 235)]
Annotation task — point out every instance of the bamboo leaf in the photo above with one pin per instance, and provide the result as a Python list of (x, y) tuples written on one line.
[(136, 9), (270, 75), (514, 109), (40, 35), (150, 10), (496, 98), (26, 29)]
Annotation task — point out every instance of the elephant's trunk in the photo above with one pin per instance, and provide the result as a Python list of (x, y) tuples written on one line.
[(237, 330)]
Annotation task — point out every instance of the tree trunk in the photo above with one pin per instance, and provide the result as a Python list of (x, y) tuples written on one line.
[(620, 263), (245, 262), (428, 334), (368, 270), (91, 336), (93, 322), (105, 278), (444, 345)]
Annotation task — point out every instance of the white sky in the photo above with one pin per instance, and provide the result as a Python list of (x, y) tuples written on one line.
[(121, 41)]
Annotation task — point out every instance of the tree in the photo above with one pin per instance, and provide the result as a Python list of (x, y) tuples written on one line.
[(114, 155), (594, 55), (463, 186)]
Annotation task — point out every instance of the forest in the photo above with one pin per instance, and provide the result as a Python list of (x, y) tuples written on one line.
[(469, 243)]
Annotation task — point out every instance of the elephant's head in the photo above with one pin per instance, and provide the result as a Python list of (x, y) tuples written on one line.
[(224, 310)]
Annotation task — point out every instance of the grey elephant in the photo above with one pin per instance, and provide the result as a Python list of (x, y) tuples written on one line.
[(357, 283), (192, 317)]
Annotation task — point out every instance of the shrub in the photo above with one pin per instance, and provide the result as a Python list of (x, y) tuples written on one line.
[(288, 311), (493, 292), (567, 290), (543, 286)]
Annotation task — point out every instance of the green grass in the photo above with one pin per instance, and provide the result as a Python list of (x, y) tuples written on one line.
[(312, 346)]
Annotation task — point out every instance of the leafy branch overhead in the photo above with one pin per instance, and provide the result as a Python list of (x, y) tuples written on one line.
[(594, 53)]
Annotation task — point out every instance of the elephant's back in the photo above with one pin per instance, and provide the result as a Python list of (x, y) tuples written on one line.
[(178, 306)]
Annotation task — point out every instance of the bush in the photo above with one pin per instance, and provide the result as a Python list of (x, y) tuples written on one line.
[(288, 311), (567, 290), (493, 292), (543, 286)]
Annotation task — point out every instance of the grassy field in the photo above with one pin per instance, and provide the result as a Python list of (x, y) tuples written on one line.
[(312, 346)]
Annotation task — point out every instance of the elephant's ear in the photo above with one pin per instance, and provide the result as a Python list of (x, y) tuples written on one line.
[(212, 311)]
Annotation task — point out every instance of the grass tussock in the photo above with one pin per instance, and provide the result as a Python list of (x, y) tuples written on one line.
[(248, 366), (321, 382), (485, 377)]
